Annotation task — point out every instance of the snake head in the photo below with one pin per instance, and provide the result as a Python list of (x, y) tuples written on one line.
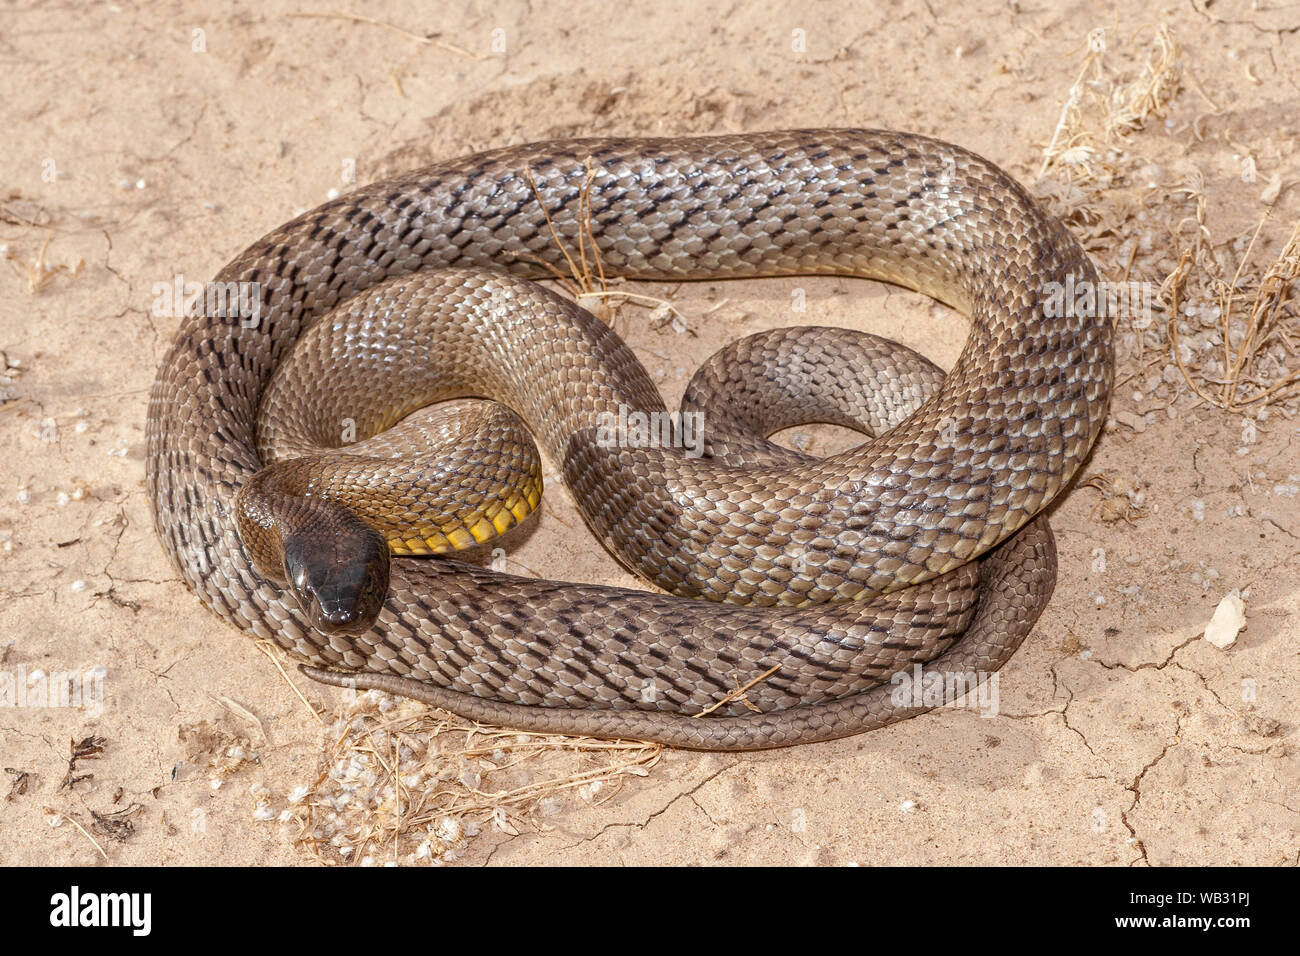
[(338, 571)]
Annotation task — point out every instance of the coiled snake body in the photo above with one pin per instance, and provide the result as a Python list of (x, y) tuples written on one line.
[(874, 526)]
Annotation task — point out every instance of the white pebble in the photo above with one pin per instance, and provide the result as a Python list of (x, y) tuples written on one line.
[(1228, 620)]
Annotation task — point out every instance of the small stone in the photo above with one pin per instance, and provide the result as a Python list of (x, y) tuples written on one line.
[(1272, 190), (1132, 420), (1228, 620)]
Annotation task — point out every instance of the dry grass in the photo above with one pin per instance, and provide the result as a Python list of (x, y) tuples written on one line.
[(431, 39), (1121, 499), (1258, 333), (1102, 109), (586, 281), (405, 785), (38, 273), (1230, 328), (1091, 159), (402, 784)]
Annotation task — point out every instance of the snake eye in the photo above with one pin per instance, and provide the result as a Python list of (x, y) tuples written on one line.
[(339, 575)]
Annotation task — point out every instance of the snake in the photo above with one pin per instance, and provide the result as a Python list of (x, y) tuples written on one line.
[(925, 544)]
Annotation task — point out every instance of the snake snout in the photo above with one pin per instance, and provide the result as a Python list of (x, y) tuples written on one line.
[(339, 576)]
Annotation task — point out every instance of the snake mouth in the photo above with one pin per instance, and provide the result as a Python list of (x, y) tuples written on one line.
[(339, 609)]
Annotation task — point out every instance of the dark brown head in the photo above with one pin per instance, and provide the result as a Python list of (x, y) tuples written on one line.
[(335, 564), (338, 571)]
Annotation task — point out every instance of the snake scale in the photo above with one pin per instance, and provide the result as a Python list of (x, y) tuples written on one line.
[(928, 534)]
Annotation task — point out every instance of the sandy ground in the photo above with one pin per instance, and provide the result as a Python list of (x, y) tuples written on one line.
[(145, 145)]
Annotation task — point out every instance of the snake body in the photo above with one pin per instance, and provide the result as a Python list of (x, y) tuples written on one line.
[(874, 526)]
